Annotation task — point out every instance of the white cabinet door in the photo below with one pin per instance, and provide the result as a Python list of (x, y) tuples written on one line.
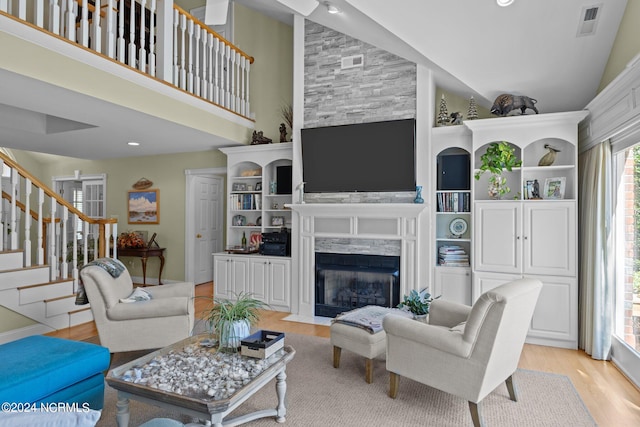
[(555, 319), (483, 282), (497, 242), (550, 238), (259, 277), (453, 284), (230, 275), (280, 283), (222, 280)]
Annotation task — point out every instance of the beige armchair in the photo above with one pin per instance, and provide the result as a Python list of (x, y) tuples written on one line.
[(465, 351), (167, 318)]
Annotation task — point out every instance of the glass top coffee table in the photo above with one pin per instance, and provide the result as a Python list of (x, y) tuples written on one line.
[(191, 378)]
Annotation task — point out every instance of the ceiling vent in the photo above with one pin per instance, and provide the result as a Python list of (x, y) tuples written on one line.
[(589, 17), (352, 61)]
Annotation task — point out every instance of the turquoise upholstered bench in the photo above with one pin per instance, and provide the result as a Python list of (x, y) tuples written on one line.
[(53, 370)]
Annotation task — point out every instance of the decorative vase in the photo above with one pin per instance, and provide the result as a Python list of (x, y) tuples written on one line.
[(232, 333), (418, 198), (496, 187)]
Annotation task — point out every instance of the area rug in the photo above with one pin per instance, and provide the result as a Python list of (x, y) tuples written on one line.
[(320, 395)]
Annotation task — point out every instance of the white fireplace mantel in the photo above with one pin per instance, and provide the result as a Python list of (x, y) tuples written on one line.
[(403, 222)]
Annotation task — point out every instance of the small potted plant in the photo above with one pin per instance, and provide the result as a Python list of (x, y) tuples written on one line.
[(498, 157), (231, 319), (417, 303)]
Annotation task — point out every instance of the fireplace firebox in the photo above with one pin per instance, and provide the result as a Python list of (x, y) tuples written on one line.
[(347, 281)]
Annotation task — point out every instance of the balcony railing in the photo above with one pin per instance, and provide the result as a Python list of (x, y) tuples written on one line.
[(154, 37)]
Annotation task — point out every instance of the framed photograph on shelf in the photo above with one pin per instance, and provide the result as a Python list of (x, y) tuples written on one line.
[(239, 186), (554, 188), (259, 186), (143, 206), (277, 221)]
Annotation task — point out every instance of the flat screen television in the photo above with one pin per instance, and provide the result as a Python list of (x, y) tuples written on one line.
[(363, 157)]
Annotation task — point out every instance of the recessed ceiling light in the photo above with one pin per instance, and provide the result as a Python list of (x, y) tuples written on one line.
[(504, 3), (133, 143)]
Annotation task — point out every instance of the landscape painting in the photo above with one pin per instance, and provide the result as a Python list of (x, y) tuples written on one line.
[(144, 207)]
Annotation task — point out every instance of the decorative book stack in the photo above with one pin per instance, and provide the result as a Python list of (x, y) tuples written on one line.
[(453, 256)]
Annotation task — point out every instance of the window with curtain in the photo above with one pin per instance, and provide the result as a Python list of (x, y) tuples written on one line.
[(627, 299)]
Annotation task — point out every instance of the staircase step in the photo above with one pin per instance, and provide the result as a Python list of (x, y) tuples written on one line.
[(80, 316), (45, 291), (60, 305), (11, 260), (10, 279)]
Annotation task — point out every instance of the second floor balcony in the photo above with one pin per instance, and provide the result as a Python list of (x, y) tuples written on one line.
[(73, 59)]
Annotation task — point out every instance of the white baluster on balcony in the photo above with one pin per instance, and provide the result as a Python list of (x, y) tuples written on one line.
[(63, 14), (114, 236), (142, 53), (238, 73), (121, 41), (211, 60), (38, 13), (132, 34), (204, 83), (53, 263), (176, 67), (84, 24), (22, 9), (247, 109), (190, 56), (96, 34), (152, 39), (243, 70), (183, 70), (110, 31), (196, 67), (54, 17), (227, 72), (232, 85), (27, 222), (216, 65), (70, 21), (64, 223), (40, 256), (13, 222)]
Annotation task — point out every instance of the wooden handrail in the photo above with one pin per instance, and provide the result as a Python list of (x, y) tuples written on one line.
[(216, 35), (53, 194)]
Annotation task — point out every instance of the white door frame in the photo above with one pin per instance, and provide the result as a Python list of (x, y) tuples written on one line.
[(189, 232)]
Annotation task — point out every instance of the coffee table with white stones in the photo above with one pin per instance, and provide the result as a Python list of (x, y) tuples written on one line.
[(198, 381)]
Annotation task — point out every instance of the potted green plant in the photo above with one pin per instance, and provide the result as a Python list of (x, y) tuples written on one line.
[(231, 319), (499, 156), (417, 303)]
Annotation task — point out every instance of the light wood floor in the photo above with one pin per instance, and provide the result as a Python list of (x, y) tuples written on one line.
[(609, 396)]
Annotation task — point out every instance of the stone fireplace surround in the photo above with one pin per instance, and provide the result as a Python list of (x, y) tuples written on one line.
[(372, 228)]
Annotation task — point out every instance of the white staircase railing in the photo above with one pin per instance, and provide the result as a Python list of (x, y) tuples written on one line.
[(51, 247), (155, 37)]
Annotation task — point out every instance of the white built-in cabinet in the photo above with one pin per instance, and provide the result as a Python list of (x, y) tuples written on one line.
[(517, 236), (255, 206)]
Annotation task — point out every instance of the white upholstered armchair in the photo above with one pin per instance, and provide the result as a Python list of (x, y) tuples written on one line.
[(165, 319), (465, 351)]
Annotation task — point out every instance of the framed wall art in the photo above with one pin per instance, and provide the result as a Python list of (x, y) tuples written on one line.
[(143, 207)]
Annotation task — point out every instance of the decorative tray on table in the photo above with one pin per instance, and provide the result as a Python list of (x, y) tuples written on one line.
[(241, 250)]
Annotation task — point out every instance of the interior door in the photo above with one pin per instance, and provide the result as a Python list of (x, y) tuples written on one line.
[(207, 225)]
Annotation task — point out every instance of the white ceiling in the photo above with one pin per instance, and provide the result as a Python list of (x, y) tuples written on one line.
[(529, 48)]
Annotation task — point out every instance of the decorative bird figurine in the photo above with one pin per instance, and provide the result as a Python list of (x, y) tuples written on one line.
[(550, 157)]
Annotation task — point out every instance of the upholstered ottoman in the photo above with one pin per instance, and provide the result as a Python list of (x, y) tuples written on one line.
[(53, 370), (359, 341)]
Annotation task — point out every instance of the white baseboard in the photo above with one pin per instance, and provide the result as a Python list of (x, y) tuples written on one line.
[(27, 331), (626, 360)]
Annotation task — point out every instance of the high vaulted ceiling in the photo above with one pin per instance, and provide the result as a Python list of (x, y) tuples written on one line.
[(474, 47)]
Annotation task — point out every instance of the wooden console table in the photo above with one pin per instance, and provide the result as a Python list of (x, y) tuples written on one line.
[(143, 254)]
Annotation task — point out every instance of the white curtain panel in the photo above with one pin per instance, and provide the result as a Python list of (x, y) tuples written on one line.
[(596, 251)]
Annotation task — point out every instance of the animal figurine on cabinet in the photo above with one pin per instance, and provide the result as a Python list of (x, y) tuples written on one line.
[(506, 103), (550, 157), (456, 118)]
